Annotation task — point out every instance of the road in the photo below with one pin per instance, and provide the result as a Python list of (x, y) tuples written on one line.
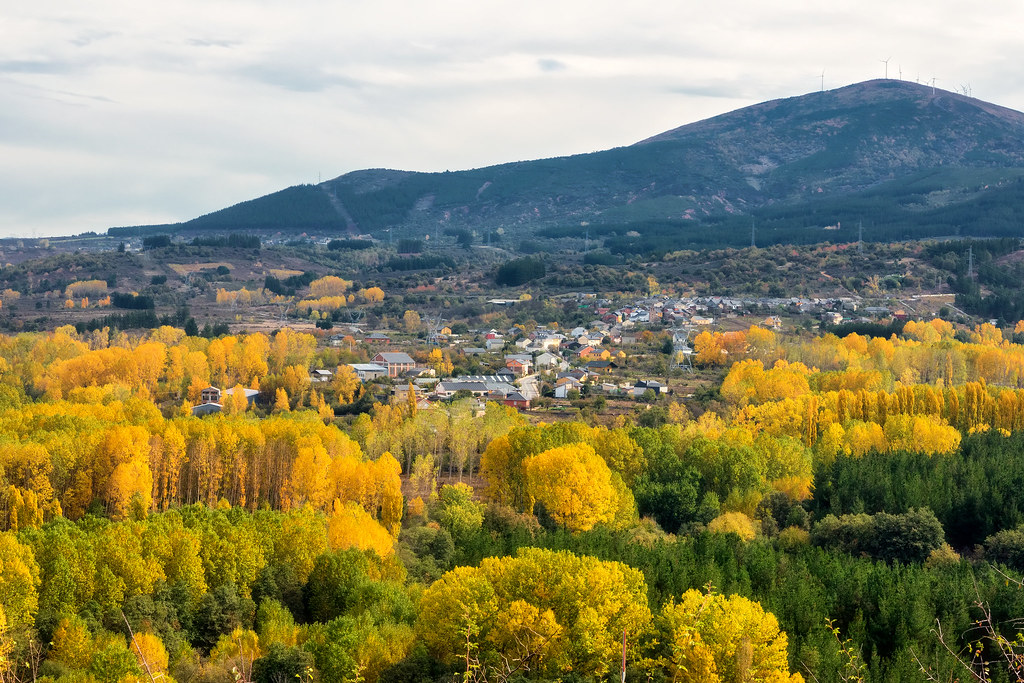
[(529, 387)]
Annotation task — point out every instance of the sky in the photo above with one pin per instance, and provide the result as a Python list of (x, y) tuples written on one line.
[(118, 112)]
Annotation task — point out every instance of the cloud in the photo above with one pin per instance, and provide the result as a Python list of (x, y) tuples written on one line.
[(296, 77), (724, 89), (192, 105), (549, 65), (205, 42), (35, 66)]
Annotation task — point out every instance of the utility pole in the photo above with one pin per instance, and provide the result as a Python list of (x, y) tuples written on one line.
[(623, 655), (970, 262), (753, 232)]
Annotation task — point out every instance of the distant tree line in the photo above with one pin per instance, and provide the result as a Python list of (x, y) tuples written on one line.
[(425, 262), (156, 241), (519, 271), (349, 245), (235, 240), (131, 301), (289, 285)]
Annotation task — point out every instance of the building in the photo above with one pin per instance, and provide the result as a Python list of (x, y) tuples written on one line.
[(210, 399), (643, 385), (367, 372), (477, 385), (516, 400), (566, 384), (250, 394), (396, 362), (206, 409), (321, 376), (209, 395), (519, 364), (546, 359), (602, 366)]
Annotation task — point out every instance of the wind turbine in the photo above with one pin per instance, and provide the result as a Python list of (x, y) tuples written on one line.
[(933, 84), (886, 62), (901, 72), (822, 80)]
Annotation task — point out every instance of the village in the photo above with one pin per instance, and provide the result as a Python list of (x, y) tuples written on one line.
[(635, 352)]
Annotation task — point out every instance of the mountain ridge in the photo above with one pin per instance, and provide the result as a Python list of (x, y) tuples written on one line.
[(876, 142)]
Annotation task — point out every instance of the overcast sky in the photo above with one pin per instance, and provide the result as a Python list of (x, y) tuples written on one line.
[(118, 112)]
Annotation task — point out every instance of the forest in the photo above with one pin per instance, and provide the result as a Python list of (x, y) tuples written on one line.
[(836, 508)]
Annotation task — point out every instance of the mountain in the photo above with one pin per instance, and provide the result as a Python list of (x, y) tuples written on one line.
[(899, 159)]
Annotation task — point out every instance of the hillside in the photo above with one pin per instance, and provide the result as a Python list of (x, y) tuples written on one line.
[(900, 158)]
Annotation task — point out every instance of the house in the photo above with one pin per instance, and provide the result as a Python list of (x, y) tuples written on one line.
[(206, 409), (396, 362), (211, 399), (369, 371), (250, 394), (401, 392), (494, 344), (516, 400), (321, 376), (549, 340), (519, 368), (575, 373), (377, 338), (566, 384), (601, 366), (209, 395), (832, 317), (520, 364), (547, 359), (642, 386)]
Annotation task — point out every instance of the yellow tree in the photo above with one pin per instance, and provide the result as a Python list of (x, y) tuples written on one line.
[(329, 285), (72, 643), (574, 484), (411, 321), (440, 362), (19, 581), (309, 481), (709, 349), (280, 401), (346, 384), (350, 526), (713, 638), (149, 650), (556, 611), (373, 295), (130, 489)]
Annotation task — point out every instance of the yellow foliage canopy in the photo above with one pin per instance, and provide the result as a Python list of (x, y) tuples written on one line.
[(574, 484), (566, 611), (350, 526), (729, 640)]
